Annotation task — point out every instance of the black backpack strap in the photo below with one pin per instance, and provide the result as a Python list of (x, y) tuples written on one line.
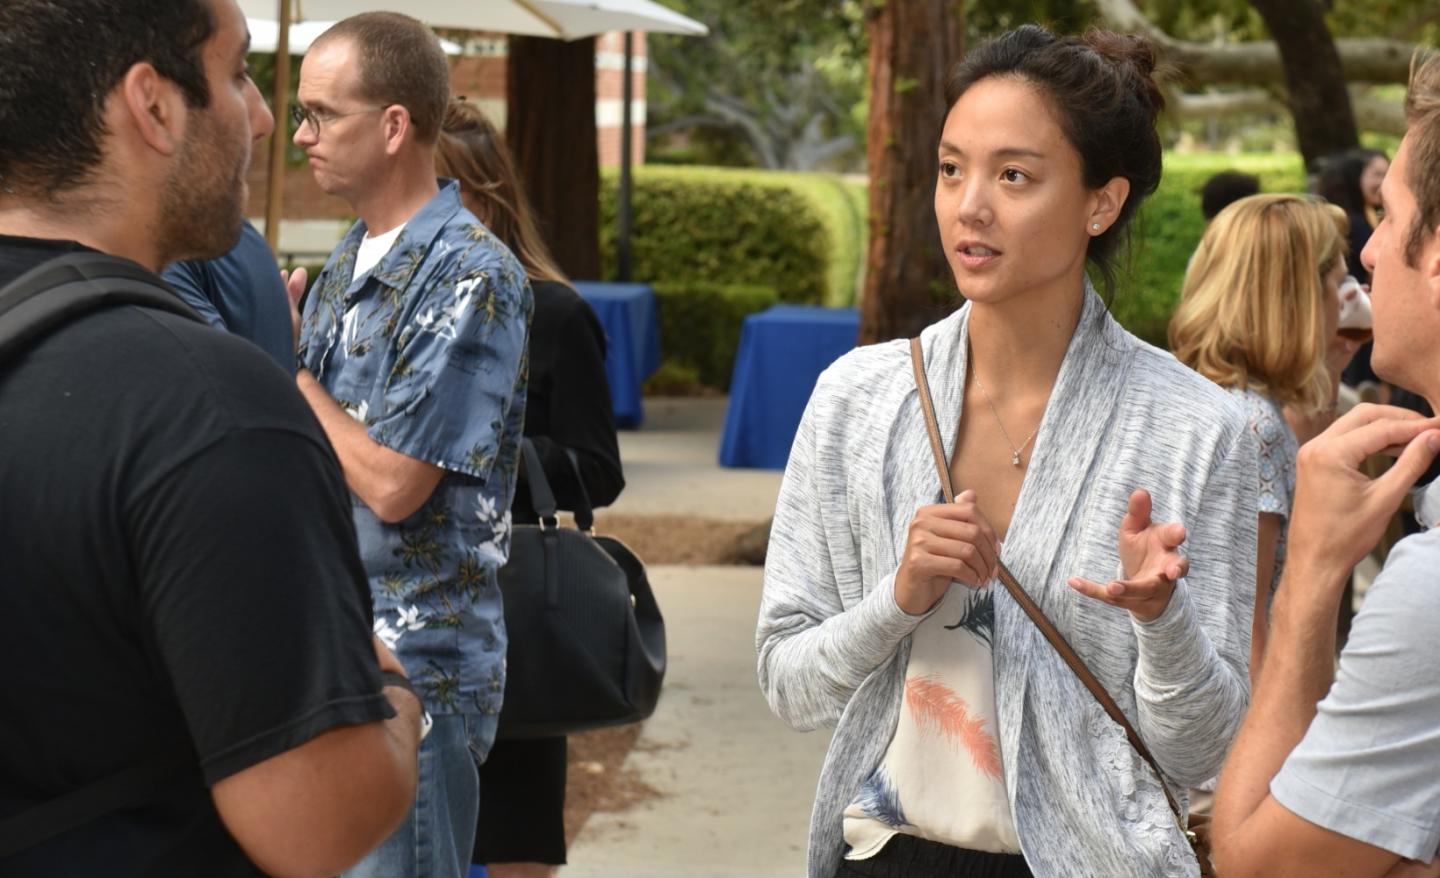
[(37, 302), (117, 792), (54, 293)]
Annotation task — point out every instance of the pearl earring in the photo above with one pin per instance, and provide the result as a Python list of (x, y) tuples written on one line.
[(1095, 226)]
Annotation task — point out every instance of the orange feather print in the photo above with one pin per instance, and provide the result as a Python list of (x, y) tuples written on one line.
[(936, 707)]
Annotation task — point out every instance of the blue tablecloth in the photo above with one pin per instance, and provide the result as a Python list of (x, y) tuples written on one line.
[(632, 342), (782, 352)]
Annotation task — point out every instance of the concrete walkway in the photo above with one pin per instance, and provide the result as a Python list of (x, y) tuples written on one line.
[(736, 784), (671, 466)]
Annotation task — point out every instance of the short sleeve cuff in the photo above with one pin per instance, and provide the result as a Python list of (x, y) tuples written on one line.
[(1357, 820), (416, 446), (349, 711), (1270, 504)]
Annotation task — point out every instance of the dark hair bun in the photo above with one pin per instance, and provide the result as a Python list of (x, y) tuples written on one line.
[(1133, 54)]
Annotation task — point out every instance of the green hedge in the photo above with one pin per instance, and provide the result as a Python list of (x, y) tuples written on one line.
[(1169, 227), (700, 328), (800, 234)]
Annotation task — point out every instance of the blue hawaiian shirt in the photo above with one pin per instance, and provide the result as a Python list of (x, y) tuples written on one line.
[(428, 350)]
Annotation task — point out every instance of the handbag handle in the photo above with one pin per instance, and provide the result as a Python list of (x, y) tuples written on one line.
[(1012, 585), (542, 498)]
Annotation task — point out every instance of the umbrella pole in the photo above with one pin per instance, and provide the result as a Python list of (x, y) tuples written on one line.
[(622, 256), (280, 105)]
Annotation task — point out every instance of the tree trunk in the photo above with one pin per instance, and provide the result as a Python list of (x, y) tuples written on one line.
[(908, 282), (1324, 120), (550, 127)]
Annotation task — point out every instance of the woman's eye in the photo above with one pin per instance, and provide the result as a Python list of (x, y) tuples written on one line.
[(949, 169), (1012, 175)]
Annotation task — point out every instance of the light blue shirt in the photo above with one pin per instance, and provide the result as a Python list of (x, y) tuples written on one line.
[(428, 350), (1369, 766)]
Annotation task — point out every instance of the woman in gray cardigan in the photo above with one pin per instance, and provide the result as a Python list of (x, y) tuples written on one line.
[(963, 743)]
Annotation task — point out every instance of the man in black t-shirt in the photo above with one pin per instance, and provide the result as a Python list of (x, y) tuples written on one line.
[(178, 567)]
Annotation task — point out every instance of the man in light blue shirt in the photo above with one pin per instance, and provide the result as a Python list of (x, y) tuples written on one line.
[(412, 354), (1351, 786)]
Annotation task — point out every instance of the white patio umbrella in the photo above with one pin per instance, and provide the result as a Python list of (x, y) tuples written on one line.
[(265, 36), (584, 18)]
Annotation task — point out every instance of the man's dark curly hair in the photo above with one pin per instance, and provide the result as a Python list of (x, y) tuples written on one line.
[(59, 62)]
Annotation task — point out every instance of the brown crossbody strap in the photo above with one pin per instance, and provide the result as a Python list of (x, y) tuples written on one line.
[(1012, 585)]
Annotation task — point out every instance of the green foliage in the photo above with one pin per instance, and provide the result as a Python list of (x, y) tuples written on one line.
[(800, 234), (700, 329), (770, 84), (1169, 227), (262, 73)]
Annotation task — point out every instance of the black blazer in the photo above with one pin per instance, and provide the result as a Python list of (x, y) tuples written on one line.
[(568, 402)]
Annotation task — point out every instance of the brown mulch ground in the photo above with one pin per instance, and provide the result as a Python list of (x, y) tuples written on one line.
[(595, 780), (681, 539)]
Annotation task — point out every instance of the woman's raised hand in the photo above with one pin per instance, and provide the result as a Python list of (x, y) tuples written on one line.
[(1150, 556), (948, 541)]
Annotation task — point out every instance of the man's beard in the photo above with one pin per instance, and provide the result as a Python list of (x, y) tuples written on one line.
[(202, 202)]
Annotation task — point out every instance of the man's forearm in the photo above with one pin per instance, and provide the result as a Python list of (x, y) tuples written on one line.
[(1298, 668), (391, 484)]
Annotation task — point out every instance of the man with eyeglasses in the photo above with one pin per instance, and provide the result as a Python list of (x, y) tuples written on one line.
[(412, 355)]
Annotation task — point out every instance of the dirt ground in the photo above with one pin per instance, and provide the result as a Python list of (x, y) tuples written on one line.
[(595, 780), (682, 539)]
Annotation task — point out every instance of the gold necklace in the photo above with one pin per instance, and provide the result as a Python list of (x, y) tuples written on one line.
[(1014, 452)]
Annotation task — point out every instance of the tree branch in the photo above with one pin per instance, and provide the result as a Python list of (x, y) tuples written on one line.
[(1372, 113), (1364, 60)]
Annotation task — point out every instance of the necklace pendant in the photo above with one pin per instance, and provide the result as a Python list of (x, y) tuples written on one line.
[(1015, 459)]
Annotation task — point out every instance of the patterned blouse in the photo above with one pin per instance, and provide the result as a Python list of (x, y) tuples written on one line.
[(1278, 447), (945, 749), (428, 350)]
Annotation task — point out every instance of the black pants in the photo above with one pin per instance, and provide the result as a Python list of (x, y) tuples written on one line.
[(905, 856)]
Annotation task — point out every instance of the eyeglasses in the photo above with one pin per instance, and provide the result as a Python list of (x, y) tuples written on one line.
[(302, 116)]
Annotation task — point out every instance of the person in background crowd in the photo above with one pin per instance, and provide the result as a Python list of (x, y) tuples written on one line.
[(194, 684), (521, 828), (1333, 773), (241, 292), (963, 742), (1351, 180), (412, 355), (1257, 315), (1224, 189)]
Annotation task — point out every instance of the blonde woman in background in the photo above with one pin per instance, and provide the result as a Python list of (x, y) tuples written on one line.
[(1258, 315)]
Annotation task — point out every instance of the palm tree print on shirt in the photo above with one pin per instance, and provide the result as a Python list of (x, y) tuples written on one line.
[(978, 617), (937, 709)]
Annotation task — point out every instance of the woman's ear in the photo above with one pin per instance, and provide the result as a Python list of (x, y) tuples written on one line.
[(1105, 204)]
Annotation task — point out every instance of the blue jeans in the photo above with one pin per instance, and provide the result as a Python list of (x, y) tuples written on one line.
[(435, 840)]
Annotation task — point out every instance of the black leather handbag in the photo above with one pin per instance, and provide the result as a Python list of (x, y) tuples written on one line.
[(586, 640)]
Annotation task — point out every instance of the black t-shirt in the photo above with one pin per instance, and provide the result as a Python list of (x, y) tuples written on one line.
[(179, 575)]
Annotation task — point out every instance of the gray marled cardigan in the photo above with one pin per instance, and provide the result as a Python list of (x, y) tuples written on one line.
[(833, 643)]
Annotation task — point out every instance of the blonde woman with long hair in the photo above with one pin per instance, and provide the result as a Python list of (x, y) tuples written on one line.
[(1257, 315)]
